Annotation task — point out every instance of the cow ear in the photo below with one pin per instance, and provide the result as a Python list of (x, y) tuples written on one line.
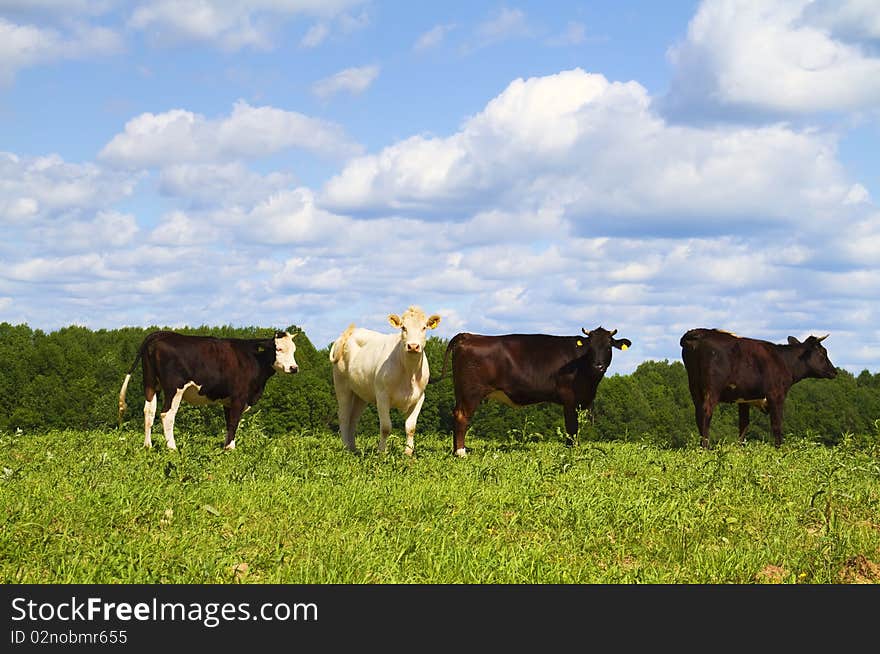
[(793, 341), (433, 321), (621, 343), (395, 321), (294, 335)]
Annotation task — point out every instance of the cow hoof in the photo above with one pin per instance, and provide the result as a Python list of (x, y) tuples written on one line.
[(461, 453), (230, 446), (408, 450)]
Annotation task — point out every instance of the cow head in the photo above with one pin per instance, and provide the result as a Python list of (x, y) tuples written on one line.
[(815, 357), (284, 349), (598, 348), (413, 326)]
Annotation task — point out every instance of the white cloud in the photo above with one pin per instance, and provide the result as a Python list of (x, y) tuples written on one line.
[(37, 188), (506, 23), (111, 229), (60, 9), (574, 34), (433, 37), (596, 151), (231, 25), (315, 36), (849, 19), (228, 183), (24, 46), (351, 80), (179, 136), (789, 57)]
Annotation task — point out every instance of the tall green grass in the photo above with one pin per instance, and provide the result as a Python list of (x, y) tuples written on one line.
[(95, 507)]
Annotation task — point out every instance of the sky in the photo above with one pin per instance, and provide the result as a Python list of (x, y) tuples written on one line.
[(513, 167)]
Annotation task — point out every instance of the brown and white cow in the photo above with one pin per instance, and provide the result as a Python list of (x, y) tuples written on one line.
[(724, 367), (386, 370), (206, 370), (521, 369)]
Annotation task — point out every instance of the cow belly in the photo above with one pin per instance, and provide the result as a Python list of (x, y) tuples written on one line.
[(758, 404), (191, 394), (501, 396)]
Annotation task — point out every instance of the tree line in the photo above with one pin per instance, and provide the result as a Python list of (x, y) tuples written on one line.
[(70, 378)]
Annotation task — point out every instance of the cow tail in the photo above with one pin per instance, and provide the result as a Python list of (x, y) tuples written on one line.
[(138, 356), (453, 342), (337, 350)]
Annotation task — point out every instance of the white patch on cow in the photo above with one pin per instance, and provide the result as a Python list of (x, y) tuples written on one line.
[(192, 394), (231, 445), (284, 351), (501, 396), (387, 370), (168, 416), (149, 417), (461, 453)]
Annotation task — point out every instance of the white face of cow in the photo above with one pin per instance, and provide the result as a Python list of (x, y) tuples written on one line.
[(284, 349), (413, 328)]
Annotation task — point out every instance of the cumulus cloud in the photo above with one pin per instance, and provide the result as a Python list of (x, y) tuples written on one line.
[(179, 136), (40, 188), (351, 80), (23, 46), (226, 183), (229, 25), (785, 57), (597, 151)]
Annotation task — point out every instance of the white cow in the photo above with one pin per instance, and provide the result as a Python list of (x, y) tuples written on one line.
[(387, 370)]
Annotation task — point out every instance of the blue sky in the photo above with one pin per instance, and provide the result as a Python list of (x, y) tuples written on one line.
[(514, 167)]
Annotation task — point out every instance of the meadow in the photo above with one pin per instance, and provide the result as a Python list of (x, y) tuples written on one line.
[(92, 506)]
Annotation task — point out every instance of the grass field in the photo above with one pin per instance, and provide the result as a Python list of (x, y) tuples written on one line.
[(95, 507)]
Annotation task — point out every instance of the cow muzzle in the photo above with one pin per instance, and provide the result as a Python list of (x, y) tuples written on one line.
[(413, 347)]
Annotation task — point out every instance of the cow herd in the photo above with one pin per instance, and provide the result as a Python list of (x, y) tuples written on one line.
[(391, 371)]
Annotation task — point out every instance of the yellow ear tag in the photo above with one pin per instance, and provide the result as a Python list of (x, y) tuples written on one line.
[(579, 342), (624, 347)]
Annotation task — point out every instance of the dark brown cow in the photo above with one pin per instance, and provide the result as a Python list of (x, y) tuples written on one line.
[(520, 369), (206, 370), (724, 367)]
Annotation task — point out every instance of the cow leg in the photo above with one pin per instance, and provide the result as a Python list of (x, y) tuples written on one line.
[(383, 408), (743, 421), (344, 401), (704, 410), (774, 407), (149, 417), (169, 410), (465, 405), (571, 423), (233, 416), (356, 409), (410, 424)]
